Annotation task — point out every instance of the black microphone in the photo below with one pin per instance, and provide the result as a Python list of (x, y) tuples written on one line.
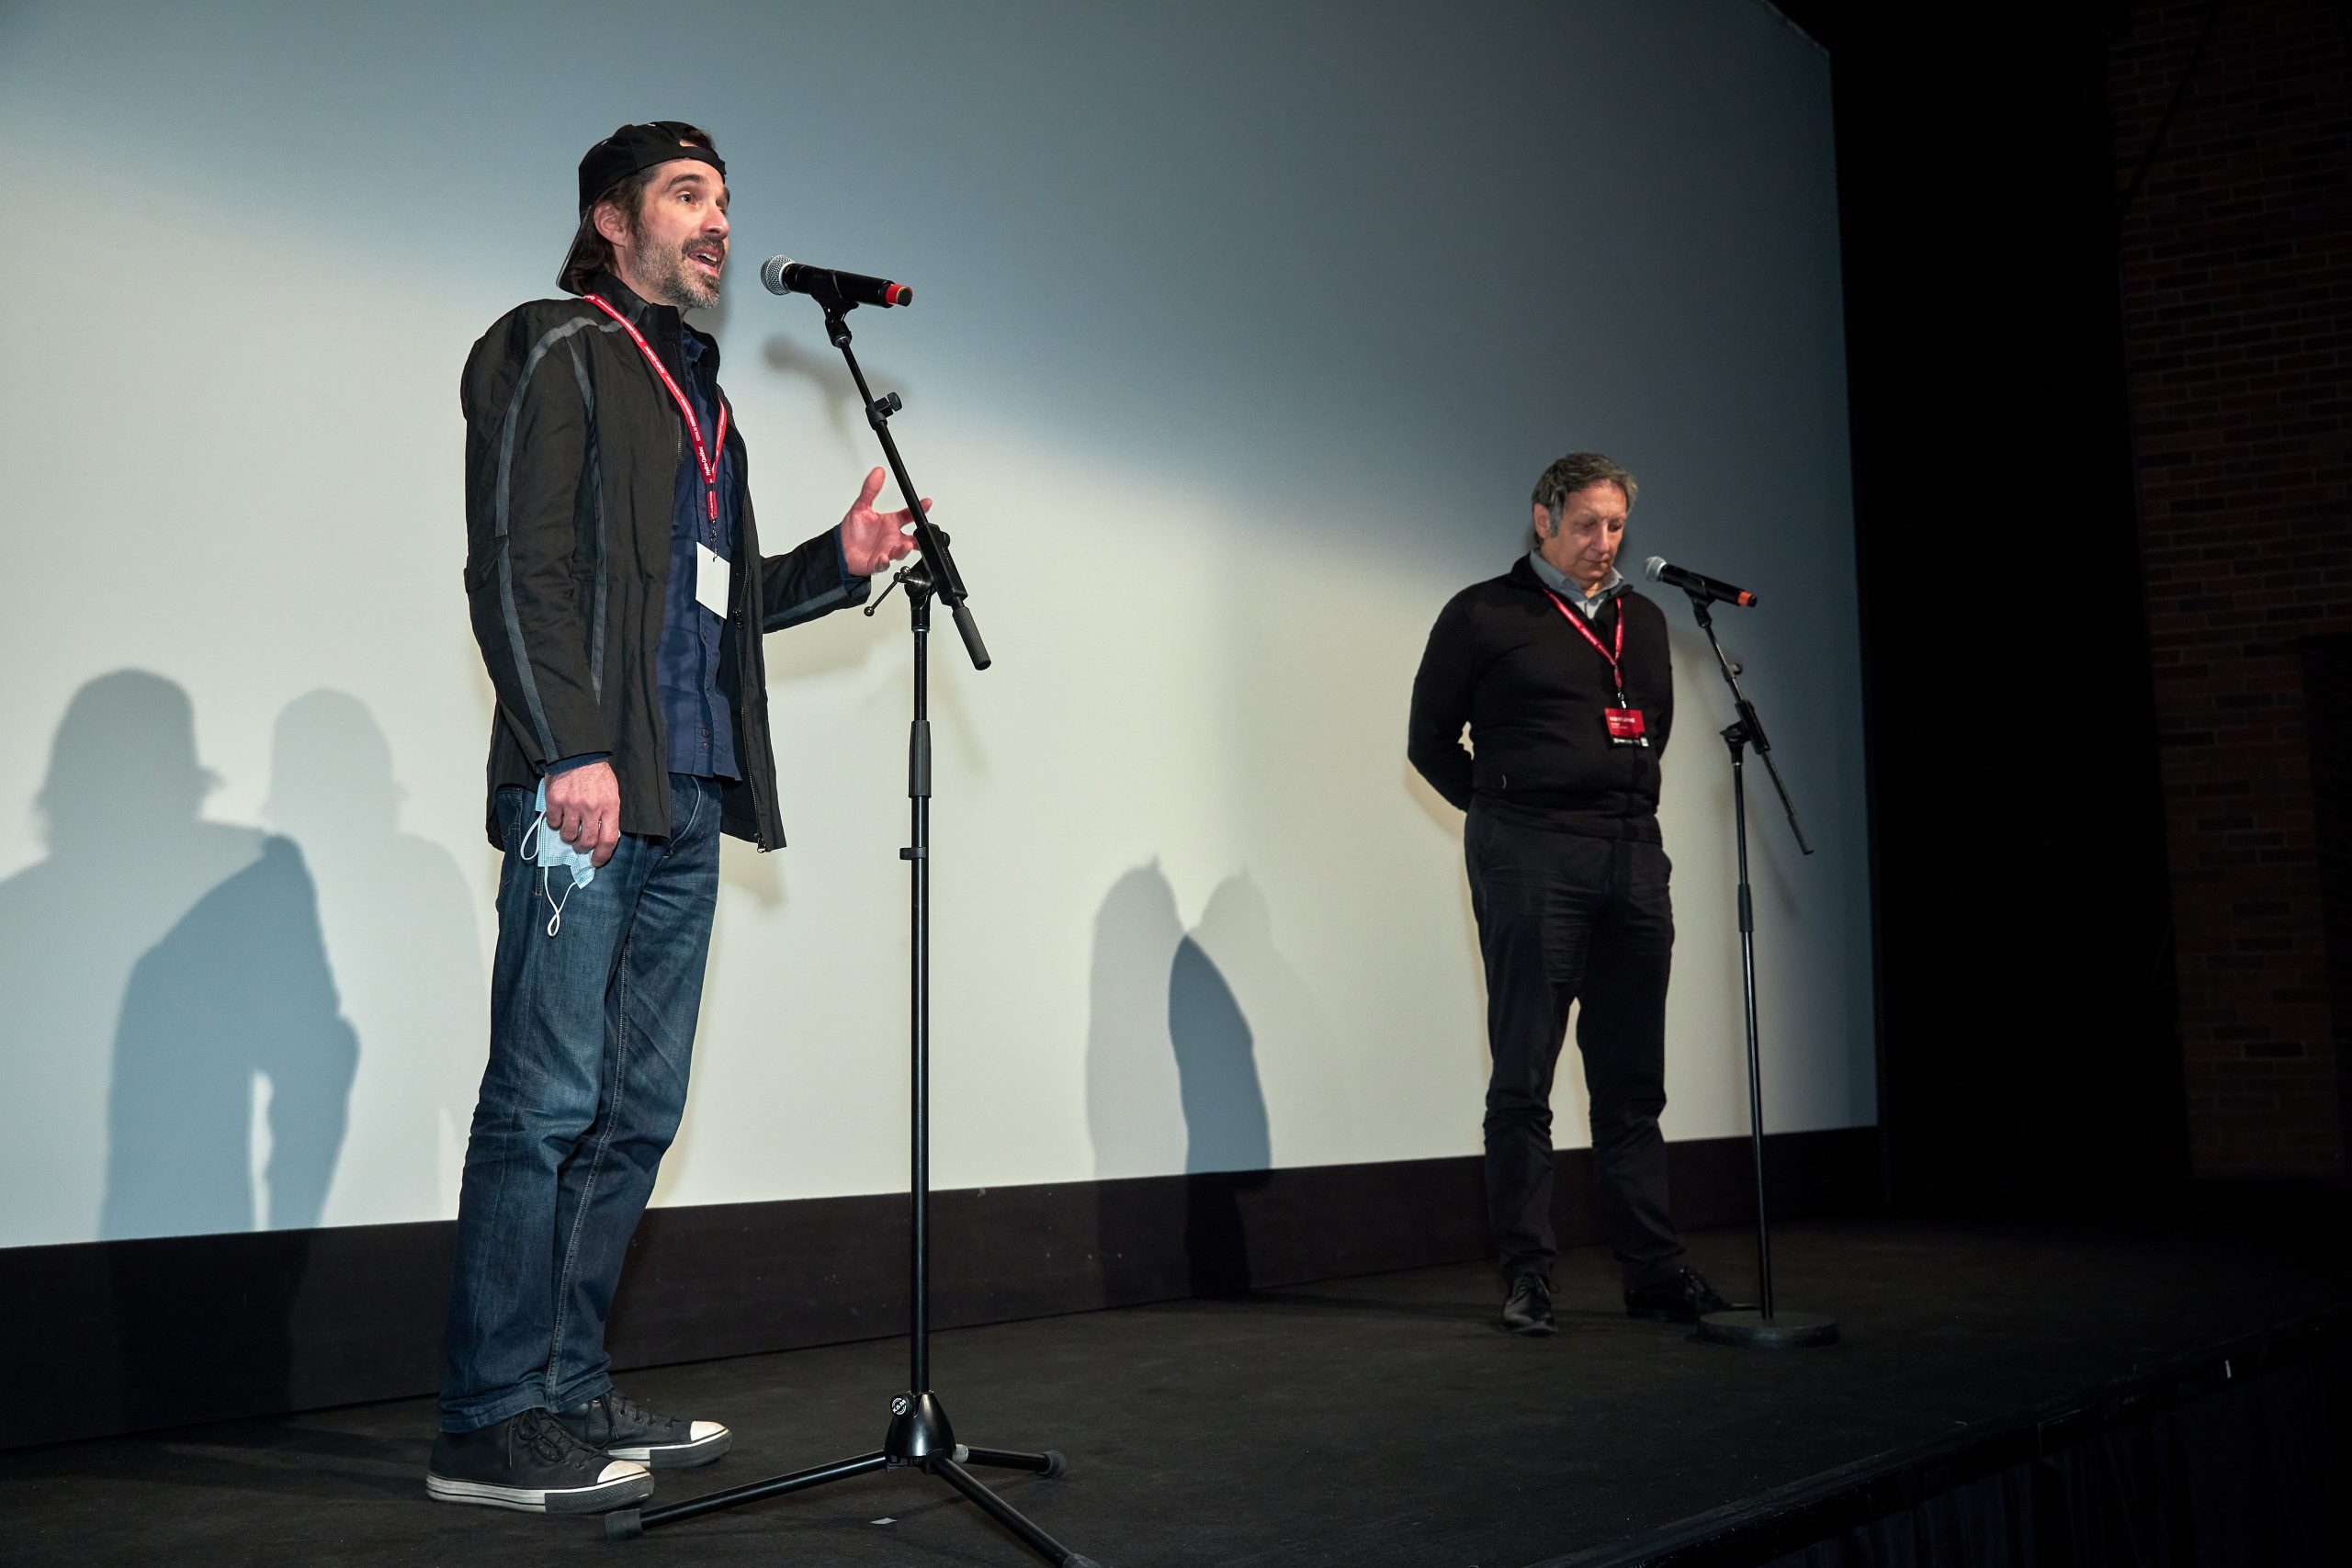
[(1657, 571), (785, 275)]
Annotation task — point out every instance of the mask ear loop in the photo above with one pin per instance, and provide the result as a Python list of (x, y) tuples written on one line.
[(531, 841), (555, 921)]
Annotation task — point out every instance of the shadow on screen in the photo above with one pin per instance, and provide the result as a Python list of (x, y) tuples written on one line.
[(180, 1031), (232, 1061), (129, 856), (402, 940), (1172, 1083), (1227, 1148), (229, 1025)]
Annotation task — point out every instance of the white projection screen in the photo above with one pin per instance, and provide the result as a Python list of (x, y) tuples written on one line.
[(1242, 332)]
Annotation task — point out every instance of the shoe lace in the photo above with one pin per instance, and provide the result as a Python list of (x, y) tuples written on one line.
[(625, 1413), (545, 1437)]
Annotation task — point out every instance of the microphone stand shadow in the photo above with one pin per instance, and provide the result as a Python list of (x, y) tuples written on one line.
[(919, 1434)]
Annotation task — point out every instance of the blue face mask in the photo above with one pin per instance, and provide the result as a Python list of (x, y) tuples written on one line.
[(545, 847)]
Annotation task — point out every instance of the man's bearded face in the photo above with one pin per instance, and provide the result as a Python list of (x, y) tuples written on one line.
[(678, 236)]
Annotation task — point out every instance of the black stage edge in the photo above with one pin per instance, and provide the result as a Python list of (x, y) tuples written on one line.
[(134, 1335), (2168, 1388), (2233, 1454)]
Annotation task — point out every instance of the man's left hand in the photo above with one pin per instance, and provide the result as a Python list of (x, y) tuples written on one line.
[(870, 539)]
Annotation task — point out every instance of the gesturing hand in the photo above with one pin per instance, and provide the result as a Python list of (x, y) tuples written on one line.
[(870, 539)]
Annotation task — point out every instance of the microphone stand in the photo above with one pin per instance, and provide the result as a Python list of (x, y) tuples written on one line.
[(919, 1435), (1758, 1326)]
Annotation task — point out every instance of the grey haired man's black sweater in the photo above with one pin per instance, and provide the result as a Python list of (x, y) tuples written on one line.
[(1503, 659)]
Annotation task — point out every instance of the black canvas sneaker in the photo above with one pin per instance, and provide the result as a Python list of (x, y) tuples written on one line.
[(614, 1423), (529, 1462)]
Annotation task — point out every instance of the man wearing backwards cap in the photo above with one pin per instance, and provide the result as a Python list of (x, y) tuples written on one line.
[(619, 598)]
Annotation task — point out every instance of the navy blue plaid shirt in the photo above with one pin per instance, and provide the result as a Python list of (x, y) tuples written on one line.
[(702, 730)]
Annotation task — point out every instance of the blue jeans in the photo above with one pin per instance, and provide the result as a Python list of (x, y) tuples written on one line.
[(590, 1031)]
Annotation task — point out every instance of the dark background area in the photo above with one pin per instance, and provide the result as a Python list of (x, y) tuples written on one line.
[(2099, 299)]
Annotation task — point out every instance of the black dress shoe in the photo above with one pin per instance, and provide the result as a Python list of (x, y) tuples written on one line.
[(1685, 1298), (1528, 1308)]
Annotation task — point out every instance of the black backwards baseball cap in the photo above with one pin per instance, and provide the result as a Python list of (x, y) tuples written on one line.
[(631, 150)]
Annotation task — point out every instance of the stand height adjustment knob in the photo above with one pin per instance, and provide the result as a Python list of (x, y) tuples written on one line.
[(919, 1428)]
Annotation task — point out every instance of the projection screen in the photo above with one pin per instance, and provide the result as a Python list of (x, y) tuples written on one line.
[(1242, 332)]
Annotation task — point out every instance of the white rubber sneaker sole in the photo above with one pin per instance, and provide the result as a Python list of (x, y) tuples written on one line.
[(706, 1440), (618, 1485)]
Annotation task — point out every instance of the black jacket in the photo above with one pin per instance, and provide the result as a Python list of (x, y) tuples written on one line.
[(1502, 658), (573, 446)]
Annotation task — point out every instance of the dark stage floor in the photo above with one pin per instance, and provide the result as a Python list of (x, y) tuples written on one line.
[(1365, 1421)]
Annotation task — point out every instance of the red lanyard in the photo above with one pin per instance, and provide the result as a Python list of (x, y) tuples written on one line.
[(694, 427), (1616, 671)]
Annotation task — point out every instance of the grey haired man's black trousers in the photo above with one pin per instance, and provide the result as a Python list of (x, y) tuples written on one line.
[(1566, 918)]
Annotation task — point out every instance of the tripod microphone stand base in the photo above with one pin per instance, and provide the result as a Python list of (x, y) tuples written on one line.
[(920, 1438), (1783, 1331)]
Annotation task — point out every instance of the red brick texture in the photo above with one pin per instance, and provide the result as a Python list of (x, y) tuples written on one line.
[(2236, 272)]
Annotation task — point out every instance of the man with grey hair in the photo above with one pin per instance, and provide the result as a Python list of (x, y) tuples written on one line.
[(1561, 672)]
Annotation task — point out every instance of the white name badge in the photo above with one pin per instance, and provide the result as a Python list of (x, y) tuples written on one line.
[(710, 579)]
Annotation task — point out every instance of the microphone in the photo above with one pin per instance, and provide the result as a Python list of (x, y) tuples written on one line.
[(785, 275), (1657, 571)]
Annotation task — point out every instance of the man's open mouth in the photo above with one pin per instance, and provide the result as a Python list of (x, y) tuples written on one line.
[(711, 256)]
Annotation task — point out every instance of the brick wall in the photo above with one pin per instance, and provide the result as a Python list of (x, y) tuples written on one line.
[(2236, 272)]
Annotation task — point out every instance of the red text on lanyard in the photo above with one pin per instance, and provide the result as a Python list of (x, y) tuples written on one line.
[(703, 459), (1615, 657)]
